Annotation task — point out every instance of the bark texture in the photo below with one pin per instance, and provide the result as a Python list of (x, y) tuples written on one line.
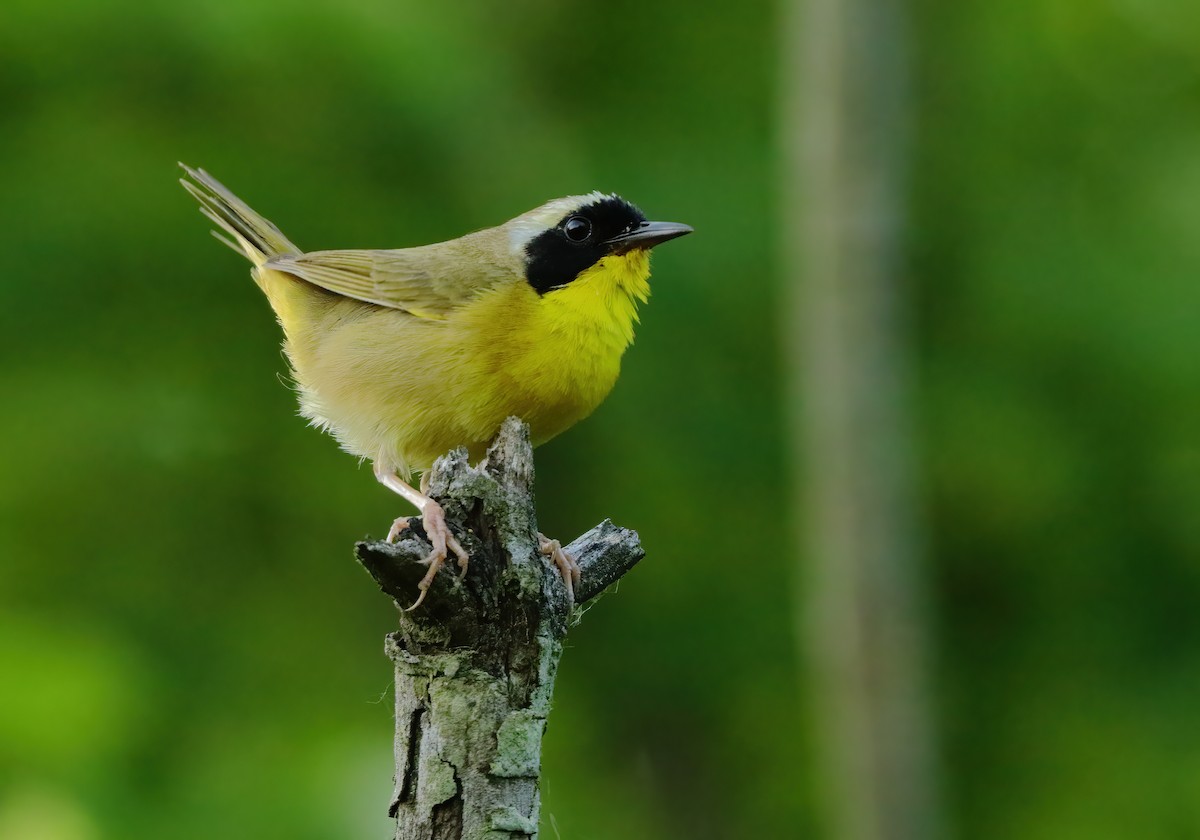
[(475, 664)]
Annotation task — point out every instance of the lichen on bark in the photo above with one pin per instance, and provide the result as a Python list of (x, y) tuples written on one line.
[(475, 664)]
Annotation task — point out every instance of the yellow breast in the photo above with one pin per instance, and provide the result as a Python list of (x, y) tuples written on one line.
[(557, 356), (404, 390)]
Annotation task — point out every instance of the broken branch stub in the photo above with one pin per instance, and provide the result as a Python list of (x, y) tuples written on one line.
[(476, 662)]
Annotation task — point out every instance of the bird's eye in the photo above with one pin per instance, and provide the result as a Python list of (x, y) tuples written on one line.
[(577, 228)]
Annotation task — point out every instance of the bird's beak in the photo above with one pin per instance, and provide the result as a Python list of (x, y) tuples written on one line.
[(647, 235)]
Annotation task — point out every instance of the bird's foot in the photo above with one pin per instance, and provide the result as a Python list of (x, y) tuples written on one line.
[(399, 525), (434, 520), (566, 564)]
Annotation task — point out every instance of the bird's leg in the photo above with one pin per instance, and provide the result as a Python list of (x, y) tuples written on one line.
[(566, 564), (434, 520)]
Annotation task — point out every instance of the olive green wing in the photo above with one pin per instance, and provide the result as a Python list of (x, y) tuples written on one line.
[(430, 281)]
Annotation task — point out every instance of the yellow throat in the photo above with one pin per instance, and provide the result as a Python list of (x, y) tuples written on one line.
[(578, 334)]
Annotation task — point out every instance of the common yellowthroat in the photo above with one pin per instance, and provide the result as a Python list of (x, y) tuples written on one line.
[(406, 354)]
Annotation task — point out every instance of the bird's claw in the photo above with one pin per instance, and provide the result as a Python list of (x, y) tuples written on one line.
[(443, 540), (566, 564), (399, 525)]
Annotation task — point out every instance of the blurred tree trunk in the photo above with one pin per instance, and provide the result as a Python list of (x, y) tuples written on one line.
[(843, 107)]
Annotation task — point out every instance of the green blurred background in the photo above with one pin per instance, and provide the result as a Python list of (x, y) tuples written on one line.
[(187, 648)]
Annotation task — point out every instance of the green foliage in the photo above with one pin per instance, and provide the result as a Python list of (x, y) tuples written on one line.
[(170, 533), (1057, 229)]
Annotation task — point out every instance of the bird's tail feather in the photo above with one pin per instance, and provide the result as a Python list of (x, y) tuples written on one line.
[(252, 234)]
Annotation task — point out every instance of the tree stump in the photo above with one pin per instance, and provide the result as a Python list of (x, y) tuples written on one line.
[(475, 663)]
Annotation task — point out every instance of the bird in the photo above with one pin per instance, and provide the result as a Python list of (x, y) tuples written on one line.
[(405, 354)]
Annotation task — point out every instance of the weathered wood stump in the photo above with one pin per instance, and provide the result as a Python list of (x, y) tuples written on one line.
[(476, 662)]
